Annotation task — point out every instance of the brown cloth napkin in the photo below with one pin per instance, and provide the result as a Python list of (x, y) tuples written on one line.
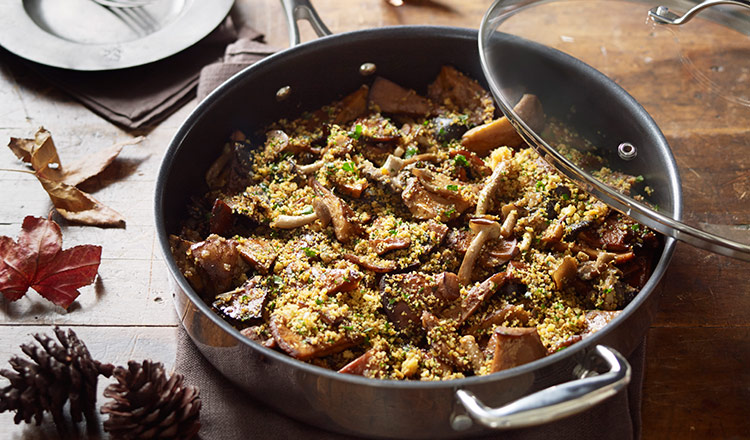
[(141, 96), (227, 415)]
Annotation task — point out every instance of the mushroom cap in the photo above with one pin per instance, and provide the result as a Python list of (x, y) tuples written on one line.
[(489, 227)]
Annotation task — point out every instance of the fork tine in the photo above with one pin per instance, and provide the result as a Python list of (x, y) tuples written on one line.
[(134, 22), (124, 3), (148, 19)]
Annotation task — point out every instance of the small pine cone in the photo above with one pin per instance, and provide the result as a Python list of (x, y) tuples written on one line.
[(148, 405), (56, 373)]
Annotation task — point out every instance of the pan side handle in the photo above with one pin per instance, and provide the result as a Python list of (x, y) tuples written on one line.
[(302, 10), (550, 404)]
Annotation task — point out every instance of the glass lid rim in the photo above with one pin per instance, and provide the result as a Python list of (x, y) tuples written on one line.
[(669, 226)]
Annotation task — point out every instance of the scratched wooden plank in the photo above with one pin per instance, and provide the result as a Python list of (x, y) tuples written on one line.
[(703, 289), (697, 383), (115, 345)]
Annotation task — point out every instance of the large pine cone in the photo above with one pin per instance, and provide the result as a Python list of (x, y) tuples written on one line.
[(55, 374), (147, 405)]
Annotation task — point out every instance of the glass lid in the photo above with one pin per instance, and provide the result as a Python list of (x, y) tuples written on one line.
[(644, 104)]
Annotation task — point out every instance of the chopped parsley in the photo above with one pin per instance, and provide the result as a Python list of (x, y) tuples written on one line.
[(460, 160), (357, 132), (411, 151), (348, 167), (452, 187)]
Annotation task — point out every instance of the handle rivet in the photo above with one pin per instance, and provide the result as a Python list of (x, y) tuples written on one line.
[(461, 422), (283, 93), (367, 69), (626, 151)]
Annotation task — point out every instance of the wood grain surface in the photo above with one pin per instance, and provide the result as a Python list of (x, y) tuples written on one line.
[(697, 381)]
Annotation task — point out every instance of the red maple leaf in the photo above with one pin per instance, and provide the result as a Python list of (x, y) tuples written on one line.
[(37, 260)]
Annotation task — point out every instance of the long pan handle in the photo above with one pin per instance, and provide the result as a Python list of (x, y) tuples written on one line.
[(302, 10), (550, 404)]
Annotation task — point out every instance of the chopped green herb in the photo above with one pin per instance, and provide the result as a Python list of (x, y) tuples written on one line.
[(540, 185), (452, 187), (348, 167), (411, 151), (357, 132), (635, 227), (311, 253), (348, 327), (460, 160), (566, 196), (318, 301), (308, 210), (639, 178)]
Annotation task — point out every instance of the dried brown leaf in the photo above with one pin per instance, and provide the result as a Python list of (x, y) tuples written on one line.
[(94, 164), (60, 181), (22, 148), (78, 206)]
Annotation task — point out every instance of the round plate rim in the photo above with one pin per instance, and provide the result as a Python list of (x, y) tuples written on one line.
[(20, 35)]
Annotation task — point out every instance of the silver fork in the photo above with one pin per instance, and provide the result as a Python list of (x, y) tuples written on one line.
[(132, 14), (124, 3)]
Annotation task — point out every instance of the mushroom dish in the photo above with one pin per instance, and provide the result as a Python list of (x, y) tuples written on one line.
[(399, 235)]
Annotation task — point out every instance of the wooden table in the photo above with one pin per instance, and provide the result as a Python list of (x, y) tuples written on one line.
[(697, 380)]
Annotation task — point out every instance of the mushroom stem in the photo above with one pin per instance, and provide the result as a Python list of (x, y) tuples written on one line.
[(509, 224), (483, 201), (486, 230), (311, 168), (293, 221)]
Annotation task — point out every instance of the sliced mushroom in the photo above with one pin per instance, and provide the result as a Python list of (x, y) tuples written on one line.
[(300, 347), (385, 245), (510, 313), (352, 106), (425, 205), (220, 262), (327, 205), (514, 346), (180, 250), (478, 294), (258, 253), (444, 340), (565, 272), (486, 230), (461, 93), (405, 296), (221, 220), (361, 365), (373, 264), (244, 303), (341, 280), (500, 132), (392, 98)]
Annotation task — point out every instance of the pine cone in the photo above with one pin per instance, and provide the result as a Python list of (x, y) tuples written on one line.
[(148, 405), (58, 373)]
